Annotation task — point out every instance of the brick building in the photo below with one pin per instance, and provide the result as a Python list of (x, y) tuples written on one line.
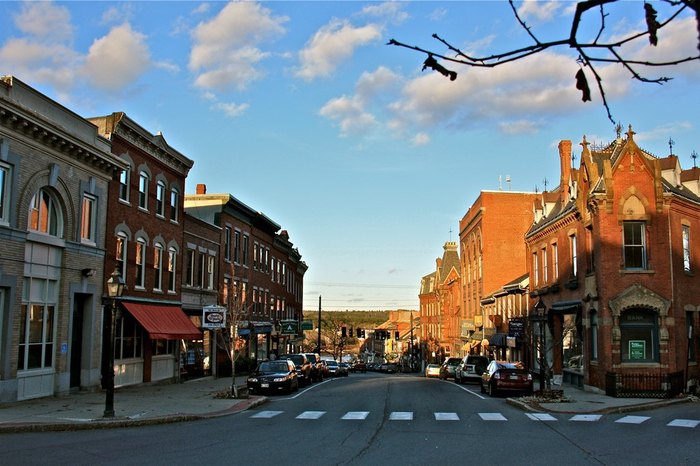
[(54, 175), (145, 243), (440, 303), (493, 262), (262, 267), (614, 257)]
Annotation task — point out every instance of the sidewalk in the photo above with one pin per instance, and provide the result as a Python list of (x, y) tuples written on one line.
[(578, 401), (195, 399), (133, 406)]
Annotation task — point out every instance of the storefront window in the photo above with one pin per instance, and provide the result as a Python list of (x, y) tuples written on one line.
[(639, 335)]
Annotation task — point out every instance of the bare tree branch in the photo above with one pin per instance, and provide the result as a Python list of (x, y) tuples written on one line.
[(587, 51)]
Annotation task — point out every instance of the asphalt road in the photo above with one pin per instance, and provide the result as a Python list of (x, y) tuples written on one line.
[(380, 419)]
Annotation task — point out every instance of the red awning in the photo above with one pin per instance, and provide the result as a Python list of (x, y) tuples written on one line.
[(164, 322)]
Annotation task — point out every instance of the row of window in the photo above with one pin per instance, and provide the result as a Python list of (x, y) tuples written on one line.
[(237, 247), (163, 267), (143, 194), (634, 253)]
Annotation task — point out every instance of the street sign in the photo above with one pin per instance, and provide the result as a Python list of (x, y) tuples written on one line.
[(213, 317), (288, 327), (307, 325)]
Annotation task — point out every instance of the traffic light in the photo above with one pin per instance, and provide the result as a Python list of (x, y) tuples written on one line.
[(359, 333), (396, 335), (362, 335), (343, 331)]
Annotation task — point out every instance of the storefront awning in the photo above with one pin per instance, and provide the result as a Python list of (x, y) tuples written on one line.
[(566, 306), (163, 322)]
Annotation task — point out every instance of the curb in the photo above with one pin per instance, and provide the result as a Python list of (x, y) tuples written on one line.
[(537, 408), (96, 424)]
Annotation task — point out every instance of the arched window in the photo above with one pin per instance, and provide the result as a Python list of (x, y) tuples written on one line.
[(157, 266), (639, 335), (44, 214), (140, 256)]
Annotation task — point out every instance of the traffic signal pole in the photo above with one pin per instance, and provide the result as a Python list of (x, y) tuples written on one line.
[(318, 344)]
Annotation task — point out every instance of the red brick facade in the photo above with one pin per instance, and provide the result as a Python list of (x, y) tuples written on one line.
[(614, 256)]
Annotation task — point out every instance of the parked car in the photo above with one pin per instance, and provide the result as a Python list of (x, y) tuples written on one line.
[(470, 368), (432, 370), (332, 367), (274, 376), (343, 369), (447, 369), (318, 370), (501, 376), (388, 368), (359, 366), (303, 367)]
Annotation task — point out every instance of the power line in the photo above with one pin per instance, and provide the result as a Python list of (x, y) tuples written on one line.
[(360, 285)]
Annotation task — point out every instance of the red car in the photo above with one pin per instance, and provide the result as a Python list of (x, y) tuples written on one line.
[(502, 376)]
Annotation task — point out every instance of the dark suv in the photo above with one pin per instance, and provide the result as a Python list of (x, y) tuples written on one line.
[(303, 367), (471, 368), (318, 369)]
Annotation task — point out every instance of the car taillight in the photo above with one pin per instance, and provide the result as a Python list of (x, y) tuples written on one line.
[(529, 377), (496, 375)]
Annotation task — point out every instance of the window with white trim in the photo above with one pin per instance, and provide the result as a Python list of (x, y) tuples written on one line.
[(639, 335), (87, 218), (686, 247), (5, 178), (120, 254), (573, 248), (128, 338), (246, 247), (44, 214), (237, 247), (160, 199), (174, 205), (143, 190), (124, 176), (634, 245), (555, 261), (535, 269), (189, 272), (172, 269), (140, 256), (158, 266), (545, 266), (37, 324), (210, 271)]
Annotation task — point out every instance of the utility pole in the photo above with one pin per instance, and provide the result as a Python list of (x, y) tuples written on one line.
[(410, 350), (318, 344)]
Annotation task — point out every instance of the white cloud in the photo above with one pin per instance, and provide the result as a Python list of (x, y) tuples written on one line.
[(225, 52), (438, 13), (420, 139), (391, 11), (519, 127), (44, 20), (331, 45), (350, 114), (517, 91), (231, 109), (540, 10), (117, 59)]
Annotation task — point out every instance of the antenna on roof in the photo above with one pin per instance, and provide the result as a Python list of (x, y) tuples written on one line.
[(694, 156), (545, 184), (500, 184), (508, 181), (671, 143), (450, 234)]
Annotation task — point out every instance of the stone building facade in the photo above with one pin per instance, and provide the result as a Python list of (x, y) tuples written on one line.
[(55, 171)]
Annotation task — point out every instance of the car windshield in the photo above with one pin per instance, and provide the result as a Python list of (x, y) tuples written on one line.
[(508, 365), (278, 366), (296, 359), (331, 363), (311, 357)]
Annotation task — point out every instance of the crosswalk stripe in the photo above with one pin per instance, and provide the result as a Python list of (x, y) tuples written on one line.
[(355, 415), (586, 417), (691, 423), (633, 419), (541, 417), (446, 417), (401, 416), (266, 414), (311, 415), (492, 417)]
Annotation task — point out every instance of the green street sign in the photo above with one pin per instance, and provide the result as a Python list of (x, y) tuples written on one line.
[(288, 327), (307, 325)]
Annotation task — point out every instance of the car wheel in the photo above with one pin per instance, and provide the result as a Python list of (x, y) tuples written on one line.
[(483, 390), (458, 379)]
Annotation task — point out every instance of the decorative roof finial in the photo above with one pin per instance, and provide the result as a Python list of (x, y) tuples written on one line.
[(618, 130), (630, 133)]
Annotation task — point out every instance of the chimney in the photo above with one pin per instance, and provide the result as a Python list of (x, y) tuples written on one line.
[(201, 188), (565, 158)]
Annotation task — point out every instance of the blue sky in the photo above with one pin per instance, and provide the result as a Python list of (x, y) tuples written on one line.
[(301, 111)]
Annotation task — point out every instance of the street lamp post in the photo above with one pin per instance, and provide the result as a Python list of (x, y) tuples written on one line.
[(541, 312), (115, 287)]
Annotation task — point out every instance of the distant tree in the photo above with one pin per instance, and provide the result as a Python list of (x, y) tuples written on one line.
[(234, 303), (590, 51)]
